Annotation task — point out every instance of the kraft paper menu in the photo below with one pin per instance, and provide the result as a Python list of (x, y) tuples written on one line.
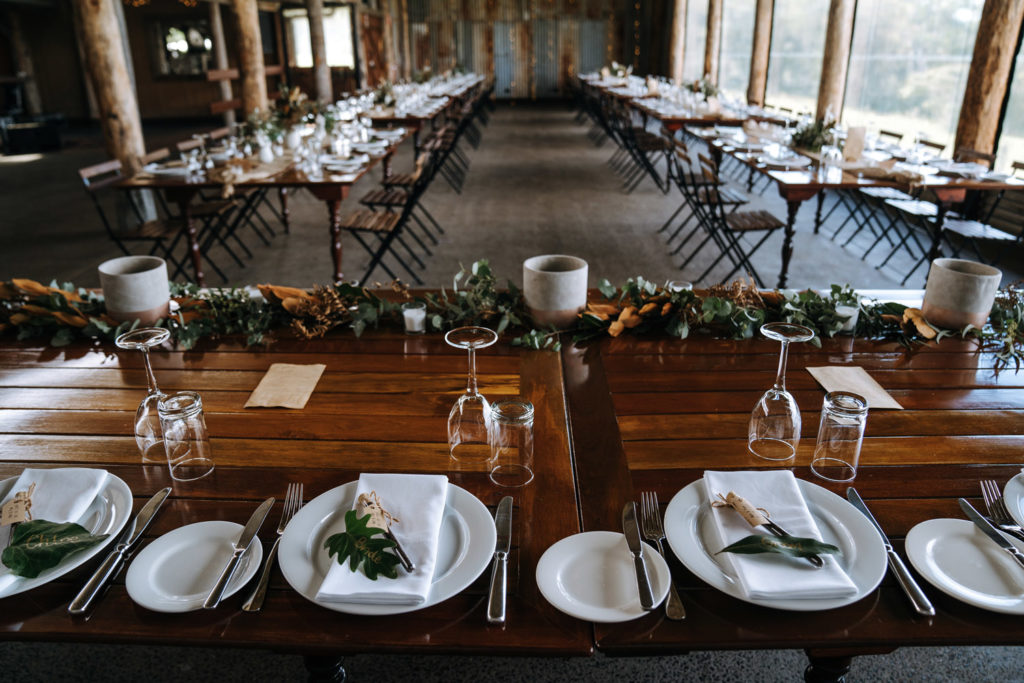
[(855, 379), (286, 386)]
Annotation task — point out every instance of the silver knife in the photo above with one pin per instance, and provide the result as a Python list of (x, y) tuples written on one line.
[(636, 549), (917, 597), (991, 531), (241, 545), (113, 562), (499, 573)]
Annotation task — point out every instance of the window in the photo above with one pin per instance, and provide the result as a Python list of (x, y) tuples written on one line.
[(798, 46), (909, 64), (737, 42), (337, 36), (696, 34), (183, 47)]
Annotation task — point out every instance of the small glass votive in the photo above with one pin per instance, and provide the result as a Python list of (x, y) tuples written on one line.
[(840, 433), (186, 442), (678, 285), (414, 313), (511, 439)]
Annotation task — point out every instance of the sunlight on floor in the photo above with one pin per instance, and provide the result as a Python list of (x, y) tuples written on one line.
[(19, 158)]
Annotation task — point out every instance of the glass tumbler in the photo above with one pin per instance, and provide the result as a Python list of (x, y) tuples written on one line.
[(186, 442), (511, 441), (840, 433)]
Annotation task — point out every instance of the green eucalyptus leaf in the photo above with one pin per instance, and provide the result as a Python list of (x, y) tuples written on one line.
[(794, 546), (357, 544)]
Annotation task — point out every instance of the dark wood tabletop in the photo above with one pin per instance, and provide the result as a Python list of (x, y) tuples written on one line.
[(614, 418), (654, 414), (381, 406)]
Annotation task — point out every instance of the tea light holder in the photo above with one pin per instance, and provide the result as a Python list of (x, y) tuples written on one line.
[(414, 313)]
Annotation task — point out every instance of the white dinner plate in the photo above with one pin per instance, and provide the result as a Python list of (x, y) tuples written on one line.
[(465, 547), (787, 163), (960, 560), (176, 572), (1013, 496), (688, 523), (160, 169), (591, 576), (108, 514)]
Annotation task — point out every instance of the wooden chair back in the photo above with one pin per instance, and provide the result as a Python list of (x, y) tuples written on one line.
[(932, 144), (218, 133), (188, 145), (964, 154), (99, 176), (155, 155), (893, 135)]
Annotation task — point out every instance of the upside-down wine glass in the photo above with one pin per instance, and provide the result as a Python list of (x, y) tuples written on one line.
[(470, 416), (148, 434), (774, 430)]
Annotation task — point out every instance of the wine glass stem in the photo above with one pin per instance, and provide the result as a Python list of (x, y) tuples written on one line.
[(150, 377), (780, 377), (471, 380)]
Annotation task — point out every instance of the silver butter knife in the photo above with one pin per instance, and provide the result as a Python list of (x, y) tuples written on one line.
[(636, 549), (115, 560), (991, 531), (917, 597), (241, 545), (499, 573)]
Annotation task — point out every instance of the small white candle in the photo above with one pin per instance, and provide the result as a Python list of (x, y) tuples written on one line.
[(415, 315)]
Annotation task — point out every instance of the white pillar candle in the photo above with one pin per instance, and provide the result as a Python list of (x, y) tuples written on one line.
[(415, 315)]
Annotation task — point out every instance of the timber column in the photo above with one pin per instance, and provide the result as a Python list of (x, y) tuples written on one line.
[(713, 43), (250, 56), (837, 57), (103, 46)]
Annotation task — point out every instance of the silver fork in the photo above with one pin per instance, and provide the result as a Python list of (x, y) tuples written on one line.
[(996, 507), (292, 503), (650, 521)]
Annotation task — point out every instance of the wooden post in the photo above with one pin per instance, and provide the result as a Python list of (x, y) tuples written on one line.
[(23, 66), (837, 57), (250, 56), (108, 73), (677, 44), (760, 51), (989, 77), (713, 45), (220, 57), (321, 72), (406, 40)]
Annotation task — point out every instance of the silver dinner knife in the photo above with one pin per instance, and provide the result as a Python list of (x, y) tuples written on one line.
[(917, 597), (991, 531), (499, 573), (113, 562), (241, 545), (636, 549)]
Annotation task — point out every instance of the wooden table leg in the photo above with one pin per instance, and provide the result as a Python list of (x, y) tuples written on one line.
[(416, 142), (333, 210), (817, 212), (935, 250), (827, 669), (193, 239), (325, 669), (792, 206), (285, 215)]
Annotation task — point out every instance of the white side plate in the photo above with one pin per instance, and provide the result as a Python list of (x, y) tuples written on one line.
[(176, 572)]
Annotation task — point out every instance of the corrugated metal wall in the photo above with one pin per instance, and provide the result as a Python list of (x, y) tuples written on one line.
[(531, 47)]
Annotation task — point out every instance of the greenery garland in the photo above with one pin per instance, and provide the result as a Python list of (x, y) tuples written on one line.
[(65, 313)]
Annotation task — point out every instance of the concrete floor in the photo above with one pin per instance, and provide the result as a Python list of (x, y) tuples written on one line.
[(537, 185)]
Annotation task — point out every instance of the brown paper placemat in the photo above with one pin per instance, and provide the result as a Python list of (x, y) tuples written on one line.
[(286, 386), (856, 379)]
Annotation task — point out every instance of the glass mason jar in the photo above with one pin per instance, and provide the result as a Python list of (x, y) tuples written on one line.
[(511, 440), (186, 442)]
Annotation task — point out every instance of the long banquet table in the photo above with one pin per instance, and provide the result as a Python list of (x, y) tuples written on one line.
[(614, 418)]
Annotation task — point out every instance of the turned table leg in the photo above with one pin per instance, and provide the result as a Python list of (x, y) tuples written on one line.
[(792, 206), (193, 240), (333, 209), (285, 215), (325, 669), (817, 212), (827, 669)]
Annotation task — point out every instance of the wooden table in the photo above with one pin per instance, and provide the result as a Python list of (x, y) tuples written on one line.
[(653, 414), (382, 405), (331, 189), (645, 414), (795, 186)]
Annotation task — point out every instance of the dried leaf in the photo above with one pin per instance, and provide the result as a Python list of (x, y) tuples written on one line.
[(602, 311), (294, 305), (915, 316), (278, 293), (629, 318), (648, 307), (616, 328), (19, 318), (35, 310), (30, 286), (70, 319), (666, 309)]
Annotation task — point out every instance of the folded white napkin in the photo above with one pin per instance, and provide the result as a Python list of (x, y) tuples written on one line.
[(770, 575), (61, 495), (418, 501)]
